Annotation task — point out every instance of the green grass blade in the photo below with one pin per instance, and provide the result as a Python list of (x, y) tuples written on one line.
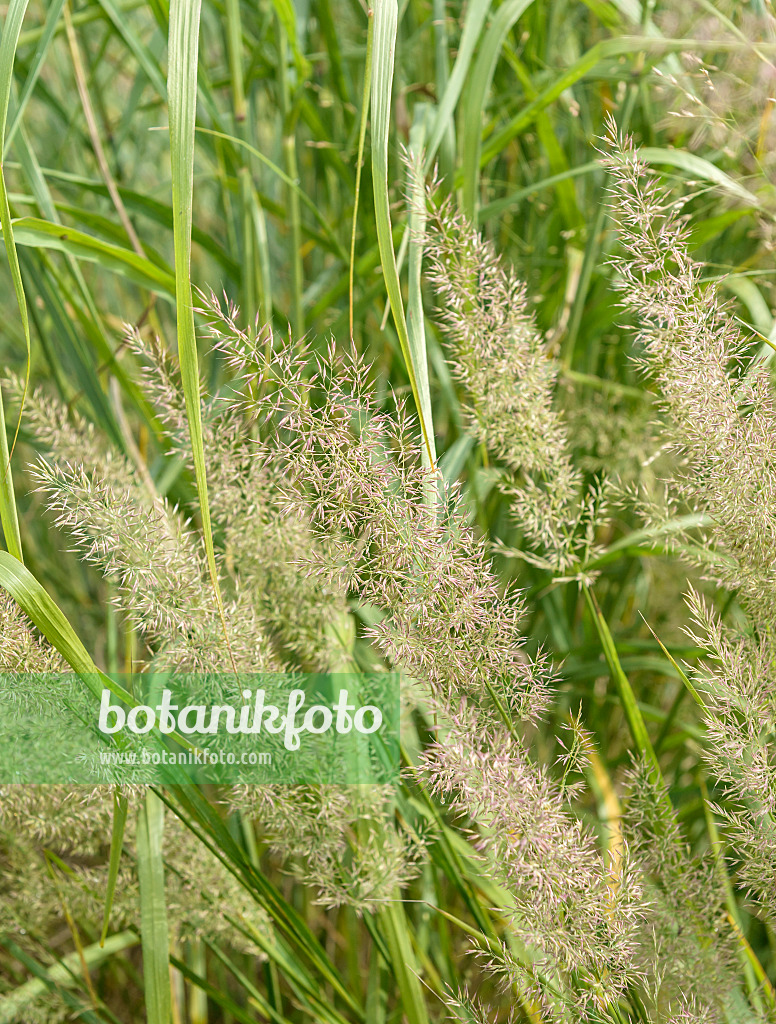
[(256, 998), (416, 329), (49, 29), (146, 206), (120, 805), (305, 989), (753, 972), (476, 97), (92, 324), (8, 516), (385, 25), (139, 51), (394, 929), (256, 276), (182, 88), (49, 618), (501, 206), (747, 292), (214, 993), (42, 234), (288, 117), (196, 960), (605, 50), (360, 160), (61, 973), (286, 14), (446, 147), (375, 990), (643, 539), (476, 12), (40, 972), (202, 819), (334, 49), (678, 668), (74, 353), (234, 52), (633, 715), (153, 911), (290, 182), (46, 615), (696, 167), (761, 979)]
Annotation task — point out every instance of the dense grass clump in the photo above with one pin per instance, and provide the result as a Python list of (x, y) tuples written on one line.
[(434, 339)]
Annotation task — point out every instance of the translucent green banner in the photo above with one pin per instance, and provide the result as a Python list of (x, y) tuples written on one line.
[(174, 729)]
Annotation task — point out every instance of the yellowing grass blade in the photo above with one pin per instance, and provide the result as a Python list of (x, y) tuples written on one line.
[(182, 92)]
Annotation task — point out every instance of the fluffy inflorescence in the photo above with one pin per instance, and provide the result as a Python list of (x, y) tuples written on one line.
[(738, 688), (337, 546), (350, 470), (498, 353), (580, 921), (720, 416), (509, 373), (341, 841), (720, 408), (21, 649), (278, 613)]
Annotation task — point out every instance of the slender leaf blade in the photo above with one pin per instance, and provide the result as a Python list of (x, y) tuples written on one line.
[(476, 12), (11, 29), (42, 234), (182, 91), (385, 25), (153, 911), (476, 95), (120, 806)]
